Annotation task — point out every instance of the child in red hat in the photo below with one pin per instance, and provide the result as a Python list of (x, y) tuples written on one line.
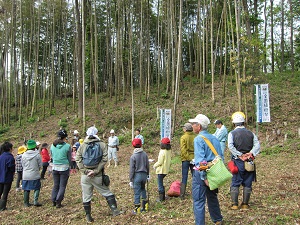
[(162, 166), (138, 175)]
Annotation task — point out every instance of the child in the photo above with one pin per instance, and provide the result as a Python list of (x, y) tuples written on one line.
[(31, 162), (19, 168), (162, 166), (73, 159), (138, 175), (45, 159)]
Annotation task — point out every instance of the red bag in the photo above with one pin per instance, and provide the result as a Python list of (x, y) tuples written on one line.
[(232, 167), (174, 190)]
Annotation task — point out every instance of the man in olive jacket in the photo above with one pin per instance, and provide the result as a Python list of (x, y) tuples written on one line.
[(186, 155), (92, 176)]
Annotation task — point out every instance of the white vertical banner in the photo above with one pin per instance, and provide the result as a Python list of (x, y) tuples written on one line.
[(262, 103), (165, 123)]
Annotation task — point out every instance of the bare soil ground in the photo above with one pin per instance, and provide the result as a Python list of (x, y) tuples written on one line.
[(275, 198)]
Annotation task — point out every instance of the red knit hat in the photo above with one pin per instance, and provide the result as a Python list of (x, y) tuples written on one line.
[(137, 143), (165, 141)]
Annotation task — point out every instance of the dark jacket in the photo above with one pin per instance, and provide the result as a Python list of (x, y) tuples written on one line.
[(139, 162), (7, 167)]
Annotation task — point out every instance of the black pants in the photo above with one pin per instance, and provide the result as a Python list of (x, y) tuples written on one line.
[(4, 190), (45, 166)]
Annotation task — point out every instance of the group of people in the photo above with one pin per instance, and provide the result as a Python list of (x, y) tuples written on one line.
[(242, 143), (243, 146)]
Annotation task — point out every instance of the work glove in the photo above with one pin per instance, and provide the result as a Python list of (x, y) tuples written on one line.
[(148, 178), (131, 184), (91, 173)]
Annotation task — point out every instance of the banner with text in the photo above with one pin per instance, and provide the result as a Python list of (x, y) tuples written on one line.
[(165, 123), (262, 103)]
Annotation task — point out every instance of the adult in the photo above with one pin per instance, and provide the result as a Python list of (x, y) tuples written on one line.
[(201, 191), (221, 134), (92, 176), (138, 175), (162, 166), (45, 159), (113, 143), (244, 146), (31, 163), (186, 155), (7, 170), (138, 135), (61, 156)]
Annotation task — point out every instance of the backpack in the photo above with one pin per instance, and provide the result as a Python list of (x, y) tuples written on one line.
[(92, 155), (174, 190)]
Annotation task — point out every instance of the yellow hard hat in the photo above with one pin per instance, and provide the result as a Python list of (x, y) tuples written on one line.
[(21, 150), (238, 117)]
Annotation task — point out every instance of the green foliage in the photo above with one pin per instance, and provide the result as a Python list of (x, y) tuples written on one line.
[(186, 115), (176, 160), (63, 122), (42, 134), (272, 150), (3, 129), (164, 95), (31, 120), (53, 112), (77, 121)]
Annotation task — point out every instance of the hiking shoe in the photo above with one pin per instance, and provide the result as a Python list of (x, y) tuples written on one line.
[(244, 206), (27, 204), (37, 204), (234, 207)]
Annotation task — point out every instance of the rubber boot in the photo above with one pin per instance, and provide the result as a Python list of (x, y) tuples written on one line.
[(58, 205), (36, 198), (234, 192), (26, 199), (137, 209), (161, 197), (145, 205), (182, 190), (88, 209), (111, 201), (3, 205), (246, 197)]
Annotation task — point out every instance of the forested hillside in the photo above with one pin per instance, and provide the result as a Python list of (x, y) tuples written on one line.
[(57, 49)]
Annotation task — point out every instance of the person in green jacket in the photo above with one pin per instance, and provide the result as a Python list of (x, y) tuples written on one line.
[(61, 156), (186, 155), (162, 166)]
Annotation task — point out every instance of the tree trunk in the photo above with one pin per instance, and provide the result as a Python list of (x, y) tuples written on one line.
[(79, 60), (178, 66)]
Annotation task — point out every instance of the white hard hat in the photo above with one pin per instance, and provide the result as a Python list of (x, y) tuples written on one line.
[(76, 132), (201, 119), (238, 117), (112, 131)]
